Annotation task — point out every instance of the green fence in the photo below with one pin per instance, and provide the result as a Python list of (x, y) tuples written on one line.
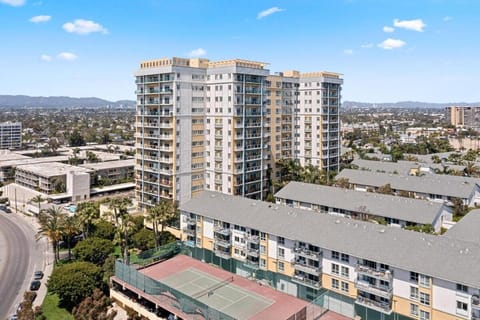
[(176, 299)]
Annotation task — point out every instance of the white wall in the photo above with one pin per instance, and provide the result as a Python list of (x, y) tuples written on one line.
[(445, 297), (208, 228)]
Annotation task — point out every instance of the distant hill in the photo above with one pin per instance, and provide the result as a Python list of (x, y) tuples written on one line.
[(406, 104), (60, 102)]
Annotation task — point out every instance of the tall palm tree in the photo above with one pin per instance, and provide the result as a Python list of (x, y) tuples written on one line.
[(119, 207), (69, 229), (38, 199), (87, 213), (162, 214), (471, 169), (51, 226), (123, 234)]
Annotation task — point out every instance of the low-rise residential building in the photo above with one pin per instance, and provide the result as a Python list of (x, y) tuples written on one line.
[(467, 229), (439, 187), (396, 211), (111, 172), (364, 269)]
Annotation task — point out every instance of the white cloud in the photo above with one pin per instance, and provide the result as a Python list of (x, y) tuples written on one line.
[(81, 26), (390, 44), (388, 29), (348, 52), (447, 18), (46, 57), (67, 56), (13, 3), (415, 25), (367, 45), (197, 52), (38, 19), (267, 12)]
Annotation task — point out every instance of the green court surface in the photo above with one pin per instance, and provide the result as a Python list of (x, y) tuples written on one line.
[(219, 294)]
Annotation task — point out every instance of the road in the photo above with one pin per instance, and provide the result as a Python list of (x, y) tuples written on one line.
[(20, 255)]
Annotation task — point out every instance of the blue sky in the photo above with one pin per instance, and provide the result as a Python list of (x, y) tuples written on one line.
[(423, 50)]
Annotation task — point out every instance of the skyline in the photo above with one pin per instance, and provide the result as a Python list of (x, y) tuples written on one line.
[(386, 50)]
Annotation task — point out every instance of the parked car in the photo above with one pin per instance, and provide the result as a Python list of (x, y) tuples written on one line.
[(35, 285), (37, 275)]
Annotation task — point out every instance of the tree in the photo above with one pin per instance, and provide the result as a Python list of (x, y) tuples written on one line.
[(26, 312), (94, 250), (144, 239), (38, 199), (103, 229), (69, 229), (50, 226), (119, 207), (92, 157), (75, 281), (124, 229), (342, 183), (386, 189), (471, 169), (94, 307), (76, 139), (87, 212), (161, 215)]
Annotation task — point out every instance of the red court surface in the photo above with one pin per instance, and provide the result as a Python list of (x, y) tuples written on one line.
[(283, 306)]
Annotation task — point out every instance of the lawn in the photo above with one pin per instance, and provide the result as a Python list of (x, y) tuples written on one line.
[(52, 311)]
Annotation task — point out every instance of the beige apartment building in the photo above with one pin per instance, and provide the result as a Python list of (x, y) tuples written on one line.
[(464, 117), (222, 125)]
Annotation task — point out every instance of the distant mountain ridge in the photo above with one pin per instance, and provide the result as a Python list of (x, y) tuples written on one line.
[(406, 104), (60, 102)]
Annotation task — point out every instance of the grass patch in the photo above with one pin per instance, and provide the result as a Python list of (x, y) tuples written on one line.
[(52, 311)]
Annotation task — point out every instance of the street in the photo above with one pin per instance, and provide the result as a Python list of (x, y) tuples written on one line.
[(20, 255)]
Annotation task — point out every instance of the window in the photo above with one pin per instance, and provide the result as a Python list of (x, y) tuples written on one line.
[(461, 287), (345, 272), (345, 286), (263, 263), (414, 309), (263, 249), (281, 253), (424, 298), (413, 276), (281, 240), (462, 306), (424, 281), (335, 268), (414, 293), (335, 284), (281, 266), (345, 257), (263, 236), (424, 315), (335, 255)]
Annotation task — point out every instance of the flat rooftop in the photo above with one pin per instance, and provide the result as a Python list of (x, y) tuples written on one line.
[(28, 160), (6, 155), (226, 292), (52, 169), (109, 164), (407, 209)]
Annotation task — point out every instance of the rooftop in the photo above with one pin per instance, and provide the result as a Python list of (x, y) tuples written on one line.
[(407, 209), (109, 164), (408, 250), (447, 185), (467, 229), (31, 161), (51, 169)]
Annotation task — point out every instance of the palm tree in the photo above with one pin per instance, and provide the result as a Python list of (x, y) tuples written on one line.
[(38, 199), (162, 214), (122, 235), (69, 229), (471, 169), (87, 213), (50, 226), (120, 208)]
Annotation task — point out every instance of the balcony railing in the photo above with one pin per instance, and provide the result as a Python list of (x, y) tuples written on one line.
[(222, 254), (381, 291), (379, 274), (376, 305), (307, 268), (223, 231), (306, 281), (476, 302), (304, 252), (189, 231)]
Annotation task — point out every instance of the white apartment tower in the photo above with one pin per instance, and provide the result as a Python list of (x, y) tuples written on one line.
[(10, 135), (222, 125)]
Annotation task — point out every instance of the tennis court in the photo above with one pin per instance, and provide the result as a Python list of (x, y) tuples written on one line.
[(219, 294)]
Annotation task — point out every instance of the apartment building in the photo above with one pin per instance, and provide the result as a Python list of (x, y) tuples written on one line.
[(111, 172), (395, 211), (10, 135), (222, 125), (464, 117), (379, 272), (432, 187)]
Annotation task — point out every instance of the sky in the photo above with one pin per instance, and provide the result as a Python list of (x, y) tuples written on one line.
[(387, 51)]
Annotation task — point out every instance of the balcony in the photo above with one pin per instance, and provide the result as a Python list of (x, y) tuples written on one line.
[(223, 231), (302, 266), (375, 305), (222, 242), (189, 231), (381, 291), (253, 239), (306, 281), (308, 254), (191, 221), (379, 274), (476, 302), (222, 253), (252, 252)]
